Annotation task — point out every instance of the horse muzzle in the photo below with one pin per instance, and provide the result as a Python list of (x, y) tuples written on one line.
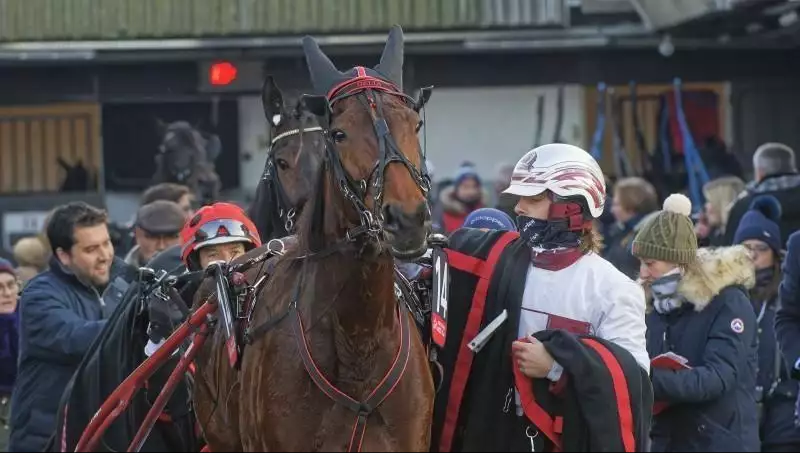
[(407, 232)]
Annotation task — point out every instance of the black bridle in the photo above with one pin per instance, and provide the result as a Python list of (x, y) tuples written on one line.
[(287, 211), (366, 90)]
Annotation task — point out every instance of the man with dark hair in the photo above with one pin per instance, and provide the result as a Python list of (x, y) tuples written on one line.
[(775, 173), (61, 313), (175, 193)]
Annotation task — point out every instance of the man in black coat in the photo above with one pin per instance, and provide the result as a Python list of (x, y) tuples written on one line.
[(775, 174)]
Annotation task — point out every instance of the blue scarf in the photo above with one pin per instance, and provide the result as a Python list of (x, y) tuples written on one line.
[(9, 347), (665, 293), (553, 245)]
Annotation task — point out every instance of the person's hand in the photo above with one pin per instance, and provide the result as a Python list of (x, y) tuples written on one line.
[(702, 230), (532, 358)]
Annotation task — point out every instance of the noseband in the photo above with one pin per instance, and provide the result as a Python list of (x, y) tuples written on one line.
[(366, 90), (286, 210)]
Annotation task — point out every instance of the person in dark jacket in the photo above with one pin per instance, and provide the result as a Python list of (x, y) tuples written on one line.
[(775, 174), (157, 228), (456, 202), (787, 320), (634, 198), (61, 313), (9, 326), (702, 313), (776, 391)]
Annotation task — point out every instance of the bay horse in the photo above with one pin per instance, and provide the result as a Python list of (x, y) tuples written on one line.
[(186, 156), (293, 161), (337, 364)]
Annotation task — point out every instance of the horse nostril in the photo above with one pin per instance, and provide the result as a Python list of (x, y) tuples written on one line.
[(390, 218)]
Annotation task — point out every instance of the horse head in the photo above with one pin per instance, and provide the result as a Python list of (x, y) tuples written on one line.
[(373, 155), (78, 177), (295, 154), (183, 149)]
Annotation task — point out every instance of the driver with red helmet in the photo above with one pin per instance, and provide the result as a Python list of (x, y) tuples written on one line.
[(219, 232)]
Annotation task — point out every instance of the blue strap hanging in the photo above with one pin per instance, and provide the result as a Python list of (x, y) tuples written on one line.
[(641, 143), (666, 152), (622, 162), (600, 129), (695, 168)]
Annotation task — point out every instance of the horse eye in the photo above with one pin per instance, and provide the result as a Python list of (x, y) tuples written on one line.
[(338, 136), (282, 164), (419, 126)]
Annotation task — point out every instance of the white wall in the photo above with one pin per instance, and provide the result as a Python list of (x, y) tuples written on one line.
[(253, 142), (484, 125), (489, 126)]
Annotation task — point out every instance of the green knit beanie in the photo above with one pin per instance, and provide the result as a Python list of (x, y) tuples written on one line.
[(669, 235)]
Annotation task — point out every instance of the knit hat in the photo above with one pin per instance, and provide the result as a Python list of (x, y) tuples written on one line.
[(466, 171), (491, 219), (761, 222), (6, 267), (669, 235)]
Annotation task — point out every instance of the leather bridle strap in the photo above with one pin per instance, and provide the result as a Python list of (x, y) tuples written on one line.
[(286, 210), (363, 409)]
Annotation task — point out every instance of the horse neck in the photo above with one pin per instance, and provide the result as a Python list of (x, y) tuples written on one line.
[(362, 282), (362, 314)]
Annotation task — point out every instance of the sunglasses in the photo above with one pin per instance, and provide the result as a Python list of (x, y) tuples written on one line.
[(222, 228)]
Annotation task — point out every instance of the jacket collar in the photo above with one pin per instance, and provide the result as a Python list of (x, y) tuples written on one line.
[(717, 269), (61, 271)]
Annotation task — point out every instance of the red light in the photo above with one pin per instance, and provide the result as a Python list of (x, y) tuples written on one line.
[(221, 74)]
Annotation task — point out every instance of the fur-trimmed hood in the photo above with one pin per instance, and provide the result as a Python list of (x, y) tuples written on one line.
[(716, 269), (451, 205)]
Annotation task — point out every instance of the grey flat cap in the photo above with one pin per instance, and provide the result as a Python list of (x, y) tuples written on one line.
[(161, 217)]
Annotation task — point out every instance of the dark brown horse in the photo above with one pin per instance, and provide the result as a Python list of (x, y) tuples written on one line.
[(336, 363), (292, 166), (186, 156)]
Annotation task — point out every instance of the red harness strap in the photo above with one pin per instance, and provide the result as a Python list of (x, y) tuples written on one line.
[(484, 270), (363, 409), (535, 413)]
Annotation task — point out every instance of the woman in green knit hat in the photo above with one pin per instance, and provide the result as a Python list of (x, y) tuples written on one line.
[(702, 319)]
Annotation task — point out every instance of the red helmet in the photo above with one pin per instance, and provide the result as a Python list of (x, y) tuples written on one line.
[(220, 223)]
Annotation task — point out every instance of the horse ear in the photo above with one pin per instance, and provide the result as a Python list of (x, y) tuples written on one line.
[(161, 127), (67, 167), (391, 65), (324, 74), (317, 105), (213, 147), (272, 101), (424, 96)]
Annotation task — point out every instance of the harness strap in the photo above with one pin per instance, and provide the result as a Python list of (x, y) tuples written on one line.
[(484, 270), (385, 388)]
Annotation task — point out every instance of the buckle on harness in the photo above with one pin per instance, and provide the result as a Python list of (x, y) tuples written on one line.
[(486, 334)]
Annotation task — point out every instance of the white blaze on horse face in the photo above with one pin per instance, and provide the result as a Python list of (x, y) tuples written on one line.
[(276, 120)]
